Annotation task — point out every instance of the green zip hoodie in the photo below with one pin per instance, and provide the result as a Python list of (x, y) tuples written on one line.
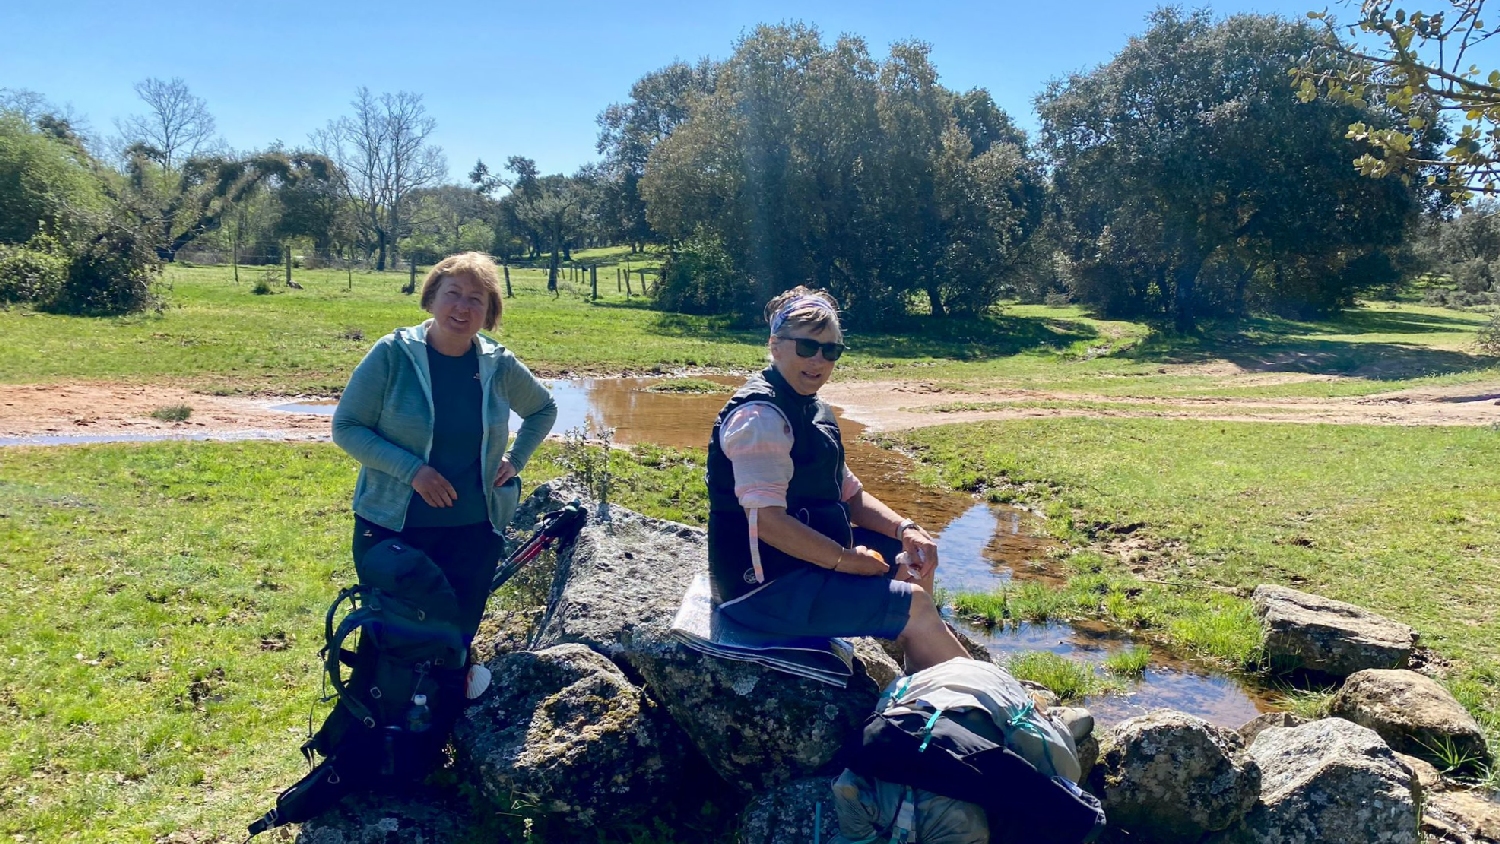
[(384, 420)]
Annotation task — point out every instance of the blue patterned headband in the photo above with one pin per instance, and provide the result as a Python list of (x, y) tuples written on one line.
[(779, 318)]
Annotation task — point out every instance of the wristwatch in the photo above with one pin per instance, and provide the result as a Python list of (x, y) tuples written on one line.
[(901, 528)]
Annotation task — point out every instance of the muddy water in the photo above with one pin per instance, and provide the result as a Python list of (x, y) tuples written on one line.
[(983, 546)]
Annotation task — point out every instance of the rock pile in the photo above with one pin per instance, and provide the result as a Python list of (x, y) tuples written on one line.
[(605, 717)]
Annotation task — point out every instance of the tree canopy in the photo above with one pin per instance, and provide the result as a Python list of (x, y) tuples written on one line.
[(811, 163), (46, 184), (1190, 181)]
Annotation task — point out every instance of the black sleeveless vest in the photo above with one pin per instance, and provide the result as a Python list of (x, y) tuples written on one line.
[(812, 497)]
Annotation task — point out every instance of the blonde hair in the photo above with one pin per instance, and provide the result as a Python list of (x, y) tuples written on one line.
[(810, 315), (475, 265)]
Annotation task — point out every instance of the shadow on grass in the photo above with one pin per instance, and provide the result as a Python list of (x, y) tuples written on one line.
[(1270, 344), (943, 338)]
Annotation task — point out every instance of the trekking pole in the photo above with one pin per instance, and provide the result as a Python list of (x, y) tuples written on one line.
[(558, 526)]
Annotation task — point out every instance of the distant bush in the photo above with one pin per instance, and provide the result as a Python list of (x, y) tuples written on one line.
[(1447, 298), (700, 278), (113, 272), (1488, 338), (262, 288), (32, 273), (1475, 275)]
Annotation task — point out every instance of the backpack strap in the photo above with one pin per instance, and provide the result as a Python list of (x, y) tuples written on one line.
[(334, 666)]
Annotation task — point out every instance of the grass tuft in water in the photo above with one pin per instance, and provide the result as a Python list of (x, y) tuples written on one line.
[(1130, 662), (1202, 623), (986, 608), (1067, 679), (172, 413), (1311, 704), (696, 386)]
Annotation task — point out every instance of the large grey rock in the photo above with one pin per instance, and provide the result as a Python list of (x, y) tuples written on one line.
[(1168, 777), (1266, 720), (1415, 715), (425, 816), (624, 578), (1306, 632), (1327, 782), (567, 728), (617, 591), (1461, 817), (799, 811)]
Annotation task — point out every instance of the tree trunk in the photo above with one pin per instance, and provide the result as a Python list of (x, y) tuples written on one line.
[(552, 273), (594, 281), (380, 261), (286, 253), (935, 301), (1184, 296)]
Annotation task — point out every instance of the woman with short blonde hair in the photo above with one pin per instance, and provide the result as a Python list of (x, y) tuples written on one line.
[(427, 415), (796, 545)]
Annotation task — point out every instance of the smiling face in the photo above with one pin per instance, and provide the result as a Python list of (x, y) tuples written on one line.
[(459, 308), (805, 375)]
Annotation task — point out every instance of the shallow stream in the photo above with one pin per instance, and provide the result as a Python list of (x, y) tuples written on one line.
[(983, 546)]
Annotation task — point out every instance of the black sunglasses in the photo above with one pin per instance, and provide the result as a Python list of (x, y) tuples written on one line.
[(807, 348)]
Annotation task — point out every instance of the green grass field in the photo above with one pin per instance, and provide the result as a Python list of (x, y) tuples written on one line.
[(215, 335), (161, 621)]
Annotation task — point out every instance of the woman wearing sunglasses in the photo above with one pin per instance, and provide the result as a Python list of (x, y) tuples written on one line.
[(796, 545)]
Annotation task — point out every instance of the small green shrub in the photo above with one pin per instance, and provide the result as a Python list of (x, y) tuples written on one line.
[(262, 288), (586, 455), (1488, 338), (172, 413), (115, 272), (700, 278), (33, 272)]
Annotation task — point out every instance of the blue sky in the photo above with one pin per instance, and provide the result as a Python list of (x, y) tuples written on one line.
[(507, 79)]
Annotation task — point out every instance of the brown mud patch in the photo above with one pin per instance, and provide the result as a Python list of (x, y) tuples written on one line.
[(102, 409), (105, 408), (905, 405)]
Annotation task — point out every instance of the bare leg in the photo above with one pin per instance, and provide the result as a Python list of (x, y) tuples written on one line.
[(926, 640)]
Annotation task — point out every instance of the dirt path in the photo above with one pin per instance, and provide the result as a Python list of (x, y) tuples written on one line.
[(105, 410)]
